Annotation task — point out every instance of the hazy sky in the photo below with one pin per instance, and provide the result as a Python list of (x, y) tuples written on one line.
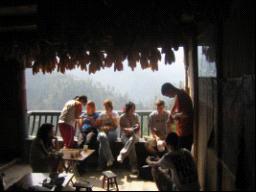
[(140, 85)]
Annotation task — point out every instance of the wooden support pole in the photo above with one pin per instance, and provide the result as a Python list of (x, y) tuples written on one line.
[(220, 77), (18, 10), (12, 109)]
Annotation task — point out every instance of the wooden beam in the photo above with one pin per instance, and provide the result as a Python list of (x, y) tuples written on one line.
[(18, 28), (24, 20), (9, 3), (19, 10)]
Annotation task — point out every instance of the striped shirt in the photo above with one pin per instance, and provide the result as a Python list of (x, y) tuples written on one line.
[(159, 122), (68, 114)]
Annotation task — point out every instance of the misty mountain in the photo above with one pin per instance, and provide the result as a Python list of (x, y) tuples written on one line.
[(50, 92)]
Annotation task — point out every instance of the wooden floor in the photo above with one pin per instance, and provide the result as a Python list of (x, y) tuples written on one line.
[(126, 181)]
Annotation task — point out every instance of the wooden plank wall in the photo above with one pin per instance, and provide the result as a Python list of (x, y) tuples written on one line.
[(229, 163), (12, 106)]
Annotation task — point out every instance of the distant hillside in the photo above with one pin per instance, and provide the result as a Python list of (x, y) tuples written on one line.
[(140, 85), (50, 92)]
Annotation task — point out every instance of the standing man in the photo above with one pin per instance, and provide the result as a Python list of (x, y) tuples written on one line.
[(68, 119), (181, 114)]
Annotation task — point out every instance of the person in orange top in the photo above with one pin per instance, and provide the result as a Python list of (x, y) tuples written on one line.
[(181, 114)]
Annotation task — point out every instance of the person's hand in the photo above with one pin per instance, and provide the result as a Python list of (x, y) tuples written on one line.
[(128, 131), (174, 116), (151, 159), (98, 122), (92, 120), (177, 116), (148, 160), (60, 154), (105, 128), (154, 130)]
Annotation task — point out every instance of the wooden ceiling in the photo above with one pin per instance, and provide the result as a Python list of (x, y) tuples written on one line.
[(41, 30)]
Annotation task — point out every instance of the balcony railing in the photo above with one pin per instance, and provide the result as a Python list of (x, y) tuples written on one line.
[(37, 118)]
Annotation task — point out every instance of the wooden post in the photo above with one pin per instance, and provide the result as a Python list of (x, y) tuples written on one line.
[(219, 139), (13, 109), (195, 92), (186, 65), (192, 66)]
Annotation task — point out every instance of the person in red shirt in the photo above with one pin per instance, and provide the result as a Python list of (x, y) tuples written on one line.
[(181, 114)]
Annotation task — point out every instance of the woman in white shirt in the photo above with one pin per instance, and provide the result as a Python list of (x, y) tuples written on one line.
[(108, 121)]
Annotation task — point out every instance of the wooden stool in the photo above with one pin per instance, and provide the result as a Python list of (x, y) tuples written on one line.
[(80, 184), (110, 178)]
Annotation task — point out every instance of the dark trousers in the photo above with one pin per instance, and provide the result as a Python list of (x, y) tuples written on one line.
[(89, 138), (186, 142), (162, 179)]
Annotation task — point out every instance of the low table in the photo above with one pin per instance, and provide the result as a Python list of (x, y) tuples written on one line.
[(36, 179), (70, 164)]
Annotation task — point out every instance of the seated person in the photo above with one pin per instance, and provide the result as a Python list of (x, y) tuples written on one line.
[(157, 123), (89, 129), (176, 170), (130, 127), (108, 123), (43, 157)]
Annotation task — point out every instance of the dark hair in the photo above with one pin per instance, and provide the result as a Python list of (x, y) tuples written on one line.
[(91, 104), (166, 87), (108, 103), (160, 103), (76, 97), (129, 106), (83, 99), (172, 140), (43, 134)]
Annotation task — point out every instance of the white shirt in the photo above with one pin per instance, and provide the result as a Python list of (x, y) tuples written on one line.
[(68, 113), (159, 122), (106, 120)]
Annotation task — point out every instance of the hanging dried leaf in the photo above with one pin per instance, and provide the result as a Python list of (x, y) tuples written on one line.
[(118, 66), (109, 60), (133, 58), (83, 60), (144, 61), (154, 57), (169, 57), (118, 60), (97, 60)]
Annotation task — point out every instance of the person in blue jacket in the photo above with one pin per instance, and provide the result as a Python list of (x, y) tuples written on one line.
[(89, 129)]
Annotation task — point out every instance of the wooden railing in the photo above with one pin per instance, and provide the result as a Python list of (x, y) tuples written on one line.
[(37, 118)]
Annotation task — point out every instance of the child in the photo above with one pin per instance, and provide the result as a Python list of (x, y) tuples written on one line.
[(89, 129)]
